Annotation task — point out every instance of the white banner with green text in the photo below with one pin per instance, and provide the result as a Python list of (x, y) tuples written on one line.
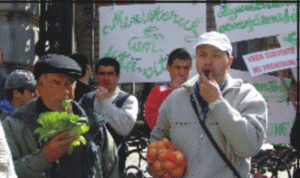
[(245, 21), (140, 37)]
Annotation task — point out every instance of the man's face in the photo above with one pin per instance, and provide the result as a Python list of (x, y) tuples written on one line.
[(107, 77), (53, 88), (214, 60), (180, 68), (27, 96)]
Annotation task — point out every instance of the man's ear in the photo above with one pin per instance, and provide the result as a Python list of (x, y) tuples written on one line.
[(16, 93), (230, 60), (38, 85), (119, 76)]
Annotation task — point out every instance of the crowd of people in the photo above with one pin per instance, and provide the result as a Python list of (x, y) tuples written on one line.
[(216, 121)]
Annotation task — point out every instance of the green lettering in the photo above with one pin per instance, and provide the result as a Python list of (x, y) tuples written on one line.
[(135, 19), (143, 20), (109, 53), (193, 27), (123, 56), (156, 13), (116, 21), (145, 72), (161, 61), (257, 6), (270, 131), (272, 87), (179, 21), (165, 16), (257, 20), (291, 38), (264, 87), (277, 129)]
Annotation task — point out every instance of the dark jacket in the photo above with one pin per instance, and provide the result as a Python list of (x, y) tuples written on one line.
[(81, 89)]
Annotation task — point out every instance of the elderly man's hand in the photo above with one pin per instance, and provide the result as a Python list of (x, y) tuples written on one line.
[(209, 88), (102, 94), (57, 146)]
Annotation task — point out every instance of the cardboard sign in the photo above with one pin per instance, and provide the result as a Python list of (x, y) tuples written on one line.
[(271, 60), (141, 37)]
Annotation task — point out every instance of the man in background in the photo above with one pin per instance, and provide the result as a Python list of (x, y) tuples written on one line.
[(179, 66), (20, 89), (120, 108), (82, 86)]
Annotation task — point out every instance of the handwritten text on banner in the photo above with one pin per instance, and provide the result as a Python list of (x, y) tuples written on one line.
[(244, 21), (140, 37)]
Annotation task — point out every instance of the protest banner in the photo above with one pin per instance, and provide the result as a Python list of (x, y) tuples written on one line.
[(280, 120), (140, 37), (244, 21), (271, 60)]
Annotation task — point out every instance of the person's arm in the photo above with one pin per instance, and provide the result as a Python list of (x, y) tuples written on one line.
[(151, 107), (244, 127), (122, 119), (244, 122), (31, 165), (26, 162)]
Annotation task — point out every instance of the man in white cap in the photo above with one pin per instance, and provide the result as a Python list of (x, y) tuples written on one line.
[(20, 89), (213, 108)]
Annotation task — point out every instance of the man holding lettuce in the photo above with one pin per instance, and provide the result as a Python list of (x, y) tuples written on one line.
[(97, 157)]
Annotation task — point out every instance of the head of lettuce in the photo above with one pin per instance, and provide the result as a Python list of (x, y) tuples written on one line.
[(41, 133)]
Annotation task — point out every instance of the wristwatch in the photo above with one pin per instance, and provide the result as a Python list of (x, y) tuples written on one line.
[(213, 104)]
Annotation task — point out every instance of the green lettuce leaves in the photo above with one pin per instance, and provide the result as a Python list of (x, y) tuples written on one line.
[(54, 123)]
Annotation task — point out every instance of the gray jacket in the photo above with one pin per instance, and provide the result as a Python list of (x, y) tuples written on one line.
[(238, 124), (29, 161)]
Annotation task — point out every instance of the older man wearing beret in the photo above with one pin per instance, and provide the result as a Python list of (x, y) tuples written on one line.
[(56, 81)]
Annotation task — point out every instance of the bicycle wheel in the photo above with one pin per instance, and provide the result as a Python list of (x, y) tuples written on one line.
[(136, 174), (272, 164), (136, 158)]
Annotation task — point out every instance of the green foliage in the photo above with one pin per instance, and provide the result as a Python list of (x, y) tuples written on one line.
[(54, 123)]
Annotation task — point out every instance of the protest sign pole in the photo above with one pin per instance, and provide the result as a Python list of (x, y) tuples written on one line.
[(287, 89), (133, 88)]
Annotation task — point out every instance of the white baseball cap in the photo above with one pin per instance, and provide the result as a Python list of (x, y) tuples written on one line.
[(216, 39)]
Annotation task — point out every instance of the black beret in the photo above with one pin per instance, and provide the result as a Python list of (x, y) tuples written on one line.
[(57, 63)]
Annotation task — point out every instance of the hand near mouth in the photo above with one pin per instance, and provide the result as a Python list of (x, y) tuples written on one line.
[(102, 93), (209, 88)]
